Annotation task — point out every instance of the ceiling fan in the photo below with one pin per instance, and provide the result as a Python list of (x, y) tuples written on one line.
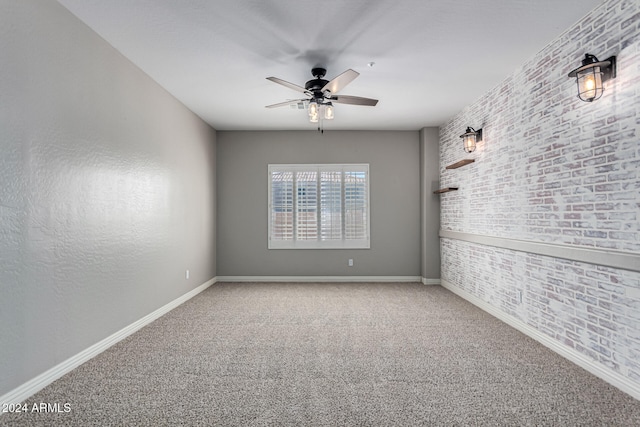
[(322, 94)]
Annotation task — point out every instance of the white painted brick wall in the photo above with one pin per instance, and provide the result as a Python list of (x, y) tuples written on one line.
[(592, 309), (554, 169)]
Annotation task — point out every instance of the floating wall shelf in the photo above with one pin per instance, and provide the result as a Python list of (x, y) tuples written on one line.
[(445, 190), (455, 165), (461, 163)]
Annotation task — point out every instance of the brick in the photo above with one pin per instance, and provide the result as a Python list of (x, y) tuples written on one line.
[(590, 216), (608, 187), (606, 244), (629, 325), (603, 332), (595, 161), (592, 354), (581, 224), (627, 302), (595, 234), (604, 314), (605, 149), (622, 176), (607, 168), (611, 288), (583, 207), (609, 225), (605, 206), (595, 179), (609, 364), (623, 216), (600, 349), (622, 195), (586, 298), (631, 21), (582, 313), (619, 235)]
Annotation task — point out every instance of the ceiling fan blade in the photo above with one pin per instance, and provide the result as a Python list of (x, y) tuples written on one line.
[(338, 83), (289, 85), (353, 100), (282, 104)]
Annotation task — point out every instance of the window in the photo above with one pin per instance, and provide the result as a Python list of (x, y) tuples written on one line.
[(318, 206)]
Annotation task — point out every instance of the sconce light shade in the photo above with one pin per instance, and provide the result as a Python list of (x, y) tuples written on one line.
[(314, 111), (328, 111), (469, 139), (591, 75), (313, 108)]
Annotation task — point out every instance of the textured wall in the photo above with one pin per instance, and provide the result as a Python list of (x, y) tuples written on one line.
[(394, 191), (555, 170), (107, 191)]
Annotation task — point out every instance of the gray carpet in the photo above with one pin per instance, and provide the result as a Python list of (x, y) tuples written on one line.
[(305, 354)]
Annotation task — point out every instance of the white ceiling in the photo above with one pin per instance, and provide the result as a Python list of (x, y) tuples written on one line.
[(432, 57)]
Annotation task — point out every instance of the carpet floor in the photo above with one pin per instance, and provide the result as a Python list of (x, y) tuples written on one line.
[(327, 354)]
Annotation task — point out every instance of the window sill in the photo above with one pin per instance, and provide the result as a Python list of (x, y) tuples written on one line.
[(353, 244)]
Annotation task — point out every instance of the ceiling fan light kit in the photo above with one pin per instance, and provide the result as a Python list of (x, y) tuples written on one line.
[(321, 94)]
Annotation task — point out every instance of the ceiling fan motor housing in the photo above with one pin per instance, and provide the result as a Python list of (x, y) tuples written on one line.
[(318, 73), (315, 85)]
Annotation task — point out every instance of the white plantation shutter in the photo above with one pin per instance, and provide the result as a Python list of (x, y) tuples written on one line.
[(307, 205), (331, 205), (281, 222), (355, 205), (318, 206)]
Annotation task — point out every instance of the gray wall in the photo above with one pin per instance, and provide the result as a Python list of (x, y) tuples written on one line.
[(430, 203), (394, 159), (107, 191)]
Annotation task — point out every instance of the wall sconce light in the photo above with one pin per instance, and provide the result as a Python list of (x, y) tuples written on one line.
[(591, 74), (469, 139)]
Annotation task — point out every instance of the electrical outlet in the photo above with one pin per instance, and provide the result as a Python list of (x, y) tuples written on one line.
[(518, 296), (186, 274), (350, 262)]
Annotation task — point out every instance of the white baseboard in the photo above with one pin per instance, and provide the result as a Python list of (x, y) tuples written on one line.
[(36, 384), (600, 371), (426, 281), (318, 279)]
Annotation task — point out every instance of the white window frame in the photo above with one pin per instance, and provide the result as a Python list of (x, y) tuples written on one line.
[(342, 243)]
